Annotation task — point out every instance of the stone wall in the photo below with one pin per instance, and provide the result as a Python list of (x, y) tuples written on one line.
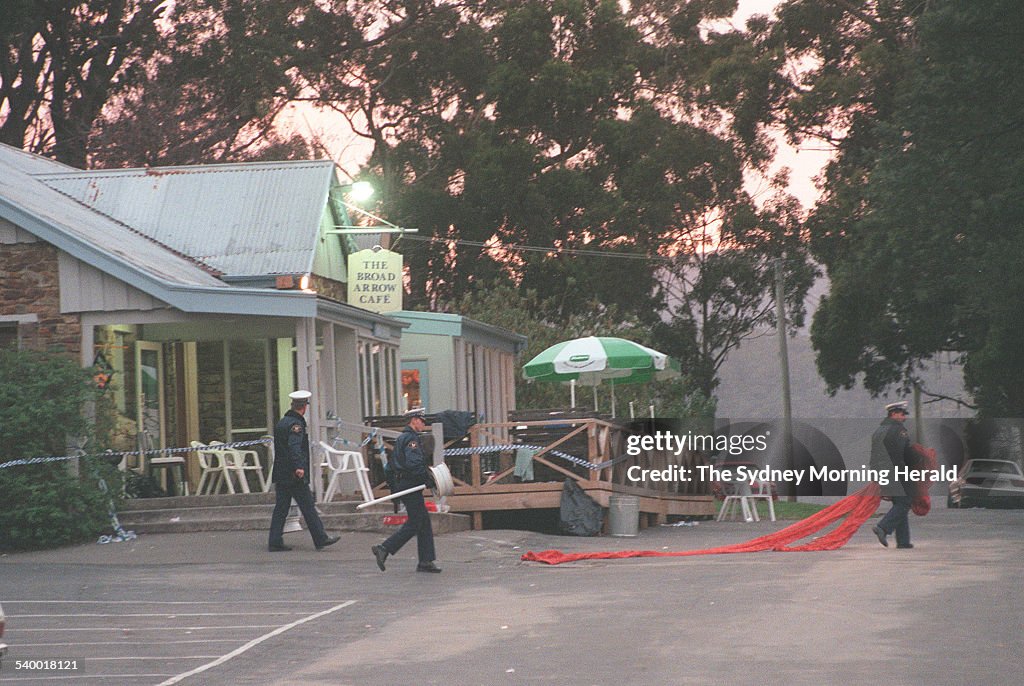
[(30, 284)]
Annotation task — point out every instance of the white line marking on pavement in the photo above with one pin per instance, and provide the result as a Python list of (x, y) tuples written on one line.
[(124, 643), (148, 628), (161, 602), (108, 677), (256, 641), (161, 614)]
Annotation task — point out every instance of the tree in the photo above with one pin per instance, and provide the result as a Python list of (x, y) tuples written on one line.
[(932, 264), (139, 82), (570, 148), (720, 296), (526, 313), (63, 62)]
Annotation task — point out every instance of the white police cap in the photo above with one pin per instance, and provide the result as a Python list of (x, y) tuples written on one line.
[(900, 406), (300, 396), (415, 412)]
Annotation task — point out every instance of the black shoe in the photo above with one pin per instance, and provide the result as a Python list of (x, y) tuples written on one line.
[(883, 537), (428, 567), (905, 545), (380, 554), (278, 547), (330, 540)]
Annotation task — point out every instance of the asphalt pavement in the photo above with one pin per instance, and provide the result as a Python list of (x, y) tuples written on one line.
[(217, 608)]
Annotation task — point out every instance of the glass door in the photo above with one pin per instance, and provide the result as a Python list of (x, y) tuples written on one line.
[(149, 403)]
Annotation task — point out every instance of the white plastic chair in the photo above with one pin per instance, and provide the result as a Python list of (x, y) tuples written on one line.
[(742, 495), (171, 463), (764, 492), (338, 462), (212, 470), (245, 461), (239, 462)]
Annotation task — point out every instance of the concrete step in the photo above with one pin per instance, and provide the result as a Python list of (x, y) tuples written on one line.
[(442, 522), (252, 511), (223, 500), (189, 501)]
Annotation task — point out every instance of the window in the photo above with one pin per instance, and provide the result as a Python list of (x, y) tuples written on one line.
[(9, 335), (18, 331), (378, 367)]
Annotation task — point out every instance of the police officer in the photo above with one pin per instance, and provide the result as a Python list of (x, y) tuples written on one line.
[(291, 476), (891, 448), (411, 469)]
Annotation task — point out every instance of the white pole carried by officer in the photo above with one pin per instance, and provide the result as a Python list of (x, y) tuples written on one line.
[(412, 470)]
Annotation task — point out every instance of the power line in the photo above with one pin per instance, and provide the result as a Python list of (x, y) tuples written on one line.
[(511, 247), (539, 248)]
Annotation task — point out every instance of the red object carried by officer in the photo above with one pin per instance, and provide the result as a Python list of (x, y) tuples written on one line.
[(921, 502)]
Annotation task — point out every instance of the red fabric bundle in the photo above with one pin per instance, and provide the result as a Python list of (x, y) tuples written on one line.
[(922, 502), (854, 510)]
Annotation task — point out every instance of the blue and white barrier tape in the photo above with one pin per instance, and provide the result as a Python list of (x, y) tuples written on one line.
[(159, 451), (456, 452)]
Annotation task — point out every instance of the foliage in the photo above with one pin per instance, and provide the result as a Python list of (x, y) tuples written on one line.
[(931, 263), (135, 82), (529, 315), (62, 62), (571, 149), (566, 147), (720, 297), (43, 398)]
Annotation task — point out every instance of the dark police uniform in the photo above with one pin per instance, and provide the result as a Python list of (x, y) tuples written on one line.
[(291, 452), (412, 469), (891, 448)]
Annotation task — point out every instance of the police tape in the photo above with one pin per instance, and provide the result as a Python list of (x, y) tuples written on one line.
[(373, 434), (462, 452), (125, 453)]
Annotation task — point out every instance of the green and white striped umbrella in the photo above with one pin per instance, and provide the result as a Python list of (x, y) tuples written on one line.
[(593, 360)]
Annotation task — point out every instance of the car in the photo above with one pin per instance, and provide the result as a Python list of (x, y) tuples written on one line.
[(987, 483), (3, 622)]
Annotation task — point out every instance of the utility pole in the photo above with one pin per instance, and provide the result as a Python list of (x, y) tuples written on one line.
[(787, 406), (918, 422)]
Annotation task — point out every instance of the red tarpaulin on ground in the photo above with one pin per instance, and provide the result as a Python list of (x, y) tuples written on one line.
[(853, 510)]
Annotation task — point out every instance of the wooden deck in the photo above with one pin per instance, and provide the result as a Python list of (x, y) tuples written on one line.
[(483, 466)]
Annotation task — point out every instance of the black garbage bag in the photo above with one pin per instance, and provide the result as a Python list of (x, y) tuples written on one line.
[(579, 514), (456, 423)]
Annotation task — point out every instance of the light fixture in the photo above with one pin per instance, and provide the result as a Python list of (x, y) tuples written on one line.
[(304, 282), (361, 191)]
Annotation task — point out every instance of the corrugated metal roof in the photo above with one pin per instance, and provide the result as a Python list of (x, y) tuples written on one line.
[(246, 219), (25, 194), (123, 252)]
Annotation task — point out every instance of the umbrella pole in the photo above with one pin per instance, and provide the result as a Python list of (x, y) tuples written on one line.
[(572, 393), (613, 401), (595, 398)]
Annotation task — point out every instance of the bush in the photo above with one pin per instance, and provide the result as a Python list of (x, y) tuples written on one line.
[(43, 402), (46, 506)]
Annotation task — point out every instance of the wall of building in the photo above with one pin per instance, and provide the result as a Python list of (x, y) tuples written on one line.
[(30, 290)]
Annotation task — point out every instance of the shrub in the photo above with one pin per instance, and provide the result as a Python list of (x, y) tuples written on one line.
[(43, 402)]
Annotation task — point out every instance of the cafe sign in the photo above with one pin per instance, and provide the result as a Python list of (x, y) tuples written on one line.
[(375, 280)]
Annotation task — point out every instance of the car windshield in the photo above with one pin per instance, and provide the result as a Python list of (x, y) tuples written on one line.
[(995, 466)]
